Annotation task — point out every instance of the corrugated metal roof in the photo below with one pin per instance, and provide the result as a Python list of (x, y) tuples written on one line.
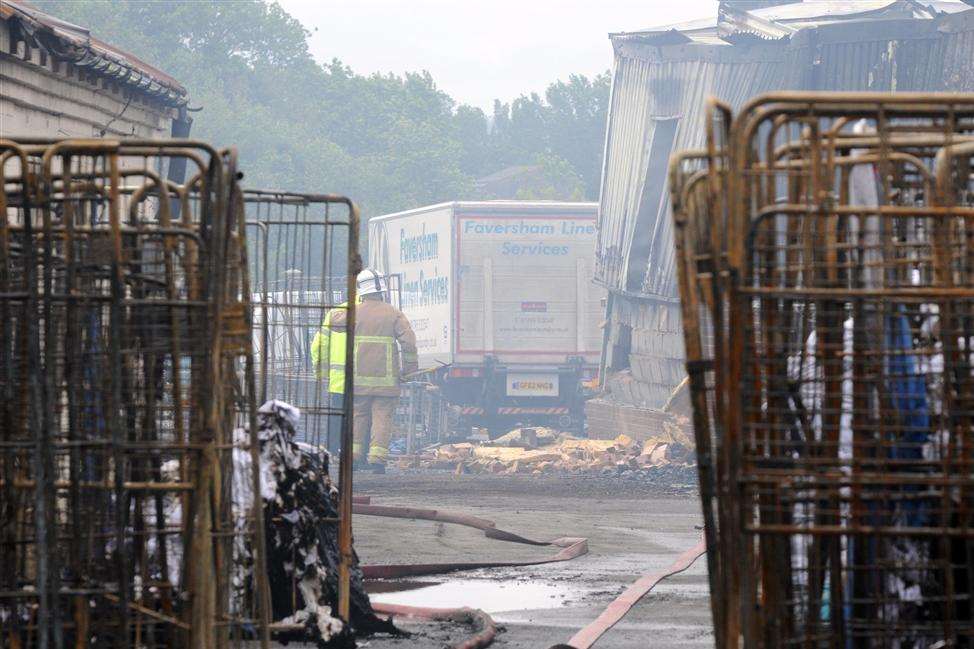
[(783, 20), (69, 42), (699, 24), (958, 51), (703, 30), (824, 12), (946, 6), (895, 55)]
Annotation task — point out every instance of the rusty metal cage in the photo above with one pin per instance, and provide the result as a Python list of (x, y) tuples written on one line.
[(305, 263), (700, 212), (840, 292), (127, 383), (696, 270), (301, 269)]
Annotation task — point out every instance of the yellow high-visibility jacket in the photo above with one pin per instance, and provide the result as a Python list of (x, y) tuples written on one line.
[(378, 367), (328, 347)]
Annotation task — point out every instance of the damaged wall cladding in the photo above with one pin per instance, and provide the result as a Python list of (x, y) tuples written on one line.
[(657, 106), (661, 82)]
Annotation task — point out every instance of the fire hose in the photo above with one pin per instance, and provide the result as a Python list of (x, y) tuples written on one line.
[(622, 604), (486, 629), (571, 547)]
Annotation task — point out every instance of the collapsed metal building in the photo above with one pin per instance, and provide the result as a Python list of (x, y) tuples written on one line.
[(661, 80)]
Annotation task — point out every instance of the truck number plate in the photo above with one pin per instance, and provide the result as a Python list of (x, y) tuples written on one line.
[(532, 385)]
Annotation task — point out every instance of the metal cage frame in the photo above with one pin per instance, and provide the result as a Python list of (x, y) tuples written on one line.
[(127, 374), (837, 456), (289, 316)]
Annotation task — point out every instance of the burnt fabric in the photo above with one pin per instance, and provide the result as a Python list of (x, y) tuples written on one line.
[(372, 427), (300, 514)]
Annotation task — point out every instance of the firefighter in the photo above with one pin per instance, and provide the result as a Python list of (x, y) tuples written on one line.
[(381, 333), (328, 359)]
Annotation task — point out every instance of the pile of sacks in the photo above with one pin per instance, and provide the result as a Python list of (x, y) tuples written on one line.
[(543, 450)]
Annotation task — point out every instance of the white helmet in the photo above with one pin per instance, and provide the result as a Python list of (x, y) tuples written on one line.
[(369, 282)]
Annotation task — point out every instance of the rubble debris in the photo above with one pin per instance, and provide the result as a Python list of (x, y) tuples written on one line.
[(527, 437), (679, 401), (544, 450), (607, 418), (300, 518)]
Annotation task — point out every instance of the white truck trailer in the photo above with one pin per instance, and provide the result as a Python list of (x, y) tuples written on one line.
[(501, 297)]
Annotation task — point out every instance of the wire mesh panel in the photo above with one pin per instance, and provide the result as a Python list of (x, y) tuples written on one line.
[(852, 436), (124, 519), (306, 261), (847, 371), (301, 266)]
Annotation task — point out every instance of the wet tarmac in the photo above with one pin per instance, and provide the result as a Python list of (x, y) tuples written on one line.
[(632, 529)]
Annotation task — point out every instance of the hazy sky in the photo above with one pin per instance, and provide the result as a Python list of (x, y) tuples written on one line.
[(478, 50)]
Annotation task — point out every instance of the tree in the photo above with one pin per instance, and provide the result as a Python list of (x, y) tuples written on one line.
[(390, 142), (568, 123), (578, 112), (557, 180)]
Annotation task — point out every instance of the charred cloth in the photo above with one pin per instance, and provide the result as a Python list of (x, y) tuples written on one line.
[(301, 514)]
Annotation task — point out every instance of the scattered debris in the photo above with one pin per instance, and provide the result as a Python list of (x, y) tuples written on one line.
[(544, 450), (679, 401), (527, 437)]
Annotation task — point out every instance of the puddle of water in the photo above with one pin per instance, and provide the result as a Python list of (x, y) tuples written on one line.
[(487, 595), (395, 586)]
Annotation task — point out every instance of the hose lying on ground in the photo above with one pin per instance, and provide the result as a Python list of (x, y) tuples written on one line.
[(621, 605), (571, 547), (486, 629)]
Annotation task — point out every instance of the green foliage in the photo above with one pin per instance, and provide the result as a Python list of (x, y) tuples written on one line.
[(390, 142), (556, 180)]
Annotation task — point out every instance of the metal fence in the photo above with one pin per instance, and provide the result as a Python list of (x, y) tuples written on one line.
[(126, 382), (826, 273)]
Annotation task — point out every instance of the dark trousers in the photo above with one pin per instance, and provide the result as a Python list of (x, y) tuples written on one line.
[(334, 426)]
